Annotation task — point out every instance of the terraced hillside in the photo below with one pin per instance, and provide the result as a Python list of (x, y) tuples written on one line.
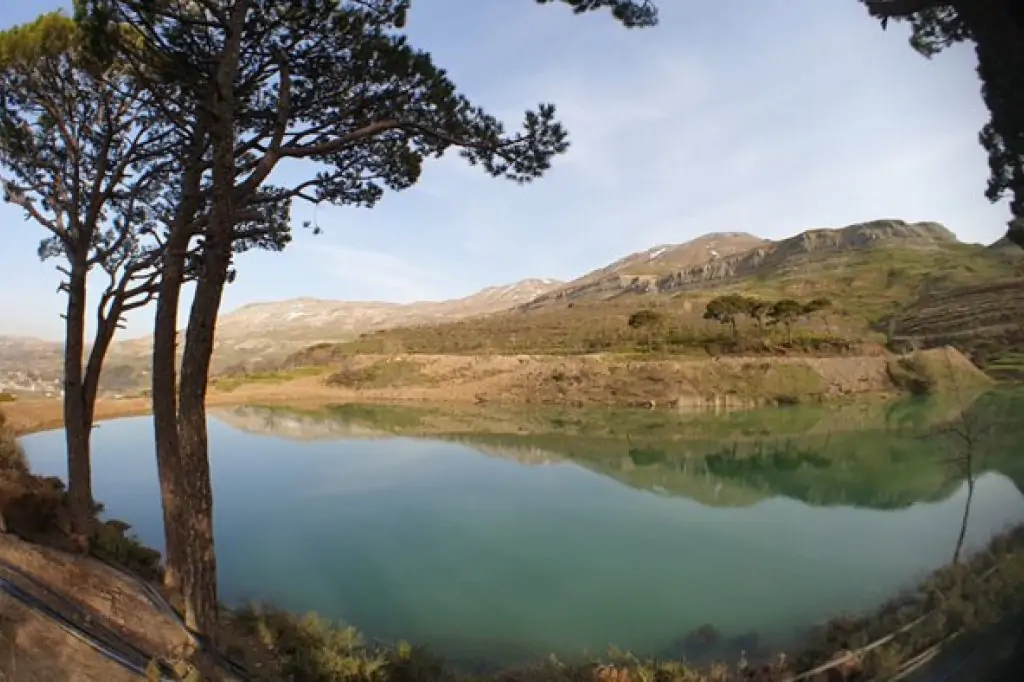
[(984, 321)]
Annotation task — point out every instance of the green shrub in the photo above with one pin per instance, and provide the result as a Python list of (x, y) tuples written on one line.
[(311, 648), (910, 374), (12, 457), (380, 374), (112, 543)]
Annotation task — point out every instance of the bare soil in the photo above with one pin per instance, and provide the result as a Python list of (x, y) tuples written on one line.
[(32, 647)]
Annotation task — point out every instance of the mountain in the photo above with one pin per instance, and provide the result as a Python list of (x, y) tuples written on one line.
[(870, 271), (262, 333), (719, 259), (265, 331)]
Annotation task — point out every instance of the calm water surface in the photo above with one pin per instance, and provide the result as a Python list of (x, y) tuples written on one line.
[(504, 537)]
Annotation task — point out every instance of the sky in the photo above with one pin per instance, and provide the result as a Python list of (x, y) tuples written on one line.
[(763, 116)]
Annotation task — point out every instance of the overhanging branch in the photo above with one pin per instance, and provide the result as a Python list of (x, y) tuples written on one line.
[(900, 9)]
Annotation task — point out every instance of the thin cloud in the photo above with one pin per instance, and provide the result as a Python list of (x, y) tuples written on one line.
[(374, 275)]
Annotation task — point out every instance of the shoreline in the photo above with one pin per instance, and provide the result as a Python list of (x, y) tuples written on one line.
[(674, 383)]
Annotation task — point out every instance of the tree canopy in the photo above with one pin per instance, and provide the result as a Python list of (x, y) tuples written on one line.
[(726, 309), (644, 318), (83, 160)]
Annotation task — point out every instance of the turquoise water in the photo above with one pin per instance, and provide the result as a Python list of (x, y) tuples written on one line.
[(567, 539)]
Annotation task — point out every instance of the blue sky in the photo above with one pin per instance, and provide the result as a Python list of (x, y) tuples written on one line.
[(764, 116)]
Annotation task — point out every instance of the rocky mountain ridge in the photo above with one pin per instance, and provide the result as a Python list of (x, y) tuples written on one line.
[(717, 259)]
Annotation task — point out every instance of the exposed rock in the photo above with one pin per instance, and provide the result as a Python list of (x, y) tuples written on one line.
[(717, 259)]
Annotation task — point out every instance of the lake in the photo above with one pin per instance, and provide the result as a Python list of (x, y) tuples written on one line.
[(500, 536)]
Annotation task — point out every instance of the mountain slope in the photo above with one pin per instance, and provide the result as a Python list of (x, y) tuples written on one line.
[(29, 365), (869, 270), (261, 333), (720, 259)]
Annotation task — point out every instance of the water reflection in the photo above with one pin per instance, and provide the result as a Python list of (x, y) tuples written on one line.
[(505, 535)]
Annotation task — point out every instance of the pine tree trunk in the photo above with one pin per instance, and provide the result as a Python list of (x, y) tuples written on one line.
[(165, 411), (76, 426), (164, 368), (200, 578)]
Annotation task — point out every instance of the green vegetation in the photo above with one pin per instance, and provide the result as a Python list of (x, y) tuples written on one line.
[(585, 329), (650, 321), (379, 374), (314, 649), (12, 457), (230, 382), (112, 543), (985, 322), (785, 312), (727, 309), (6, 397)]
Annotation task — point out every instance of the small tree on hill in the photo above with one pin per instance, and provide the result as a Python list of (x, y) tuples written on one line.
[(726, 310), (786, 312), (818, 306), (647, 320), (758, 311)]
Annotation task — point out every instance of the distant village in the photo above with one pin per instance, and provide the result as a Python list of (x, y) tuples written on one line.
[(20, 382)]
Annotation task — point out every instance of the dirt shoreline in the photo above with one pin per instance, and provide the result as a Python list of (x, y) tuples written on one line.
[(576, 381)]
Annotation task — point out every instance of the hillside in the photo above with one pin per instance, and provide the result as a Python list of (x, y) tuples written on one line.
[(29, 365), (260, 334), (984, 321), (643, 270), (869, 271), (718, 260)]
